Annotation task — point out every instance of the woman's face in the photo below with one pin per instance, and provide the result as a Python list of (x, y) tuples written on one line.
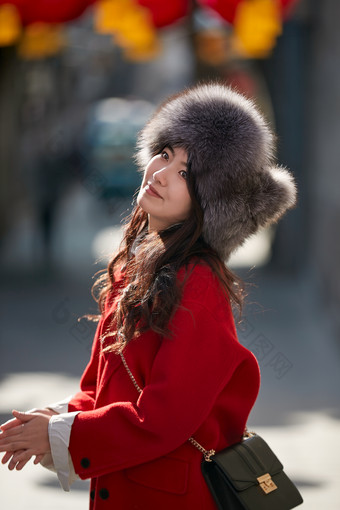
[(164, 193)]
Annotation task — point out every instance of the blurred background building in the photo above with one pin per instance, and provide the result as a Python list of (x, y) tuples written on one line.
[(78, 79)]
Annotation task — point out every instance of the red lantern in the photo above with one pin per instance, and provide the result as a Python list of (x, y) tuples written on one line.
[(166, 13), (163, 13), (49, 11)]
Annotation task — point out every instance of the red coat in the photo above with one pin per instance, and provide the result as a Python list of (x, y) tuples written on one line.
[(202, 383)]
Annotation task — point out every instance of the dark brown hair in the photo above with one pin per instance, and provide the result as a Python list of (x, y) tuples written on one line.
[(151, 290)]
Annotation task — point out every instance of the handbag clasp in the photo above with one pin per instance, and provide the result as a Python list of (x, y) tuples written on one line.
[(266, 483)]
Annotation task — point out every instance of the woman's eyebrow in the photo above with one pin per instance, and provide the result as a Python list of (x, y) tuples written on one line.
[(173, 153)]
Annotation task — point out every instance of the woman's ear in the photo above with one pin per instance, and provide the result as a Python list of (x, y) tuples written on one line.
[(275, 193)]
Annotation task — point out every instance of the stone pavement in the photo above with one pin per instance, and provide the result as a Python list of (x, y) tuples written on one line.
[(44, 350)]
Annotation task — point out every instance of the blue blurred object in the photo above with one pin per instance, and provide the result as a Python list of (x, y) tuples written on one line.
[(109, 145)]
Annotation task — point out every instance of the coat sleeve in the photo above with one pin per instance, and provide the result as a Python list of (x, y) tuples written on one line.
[(189, 372)]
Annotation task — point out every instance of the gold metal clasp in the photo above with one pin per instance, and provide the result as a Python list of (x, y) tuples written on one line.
[(209, 454), (266, 483)]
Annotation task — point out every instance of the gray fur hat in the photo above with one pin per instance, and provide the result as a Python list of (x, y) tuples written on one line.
[(230, 154)]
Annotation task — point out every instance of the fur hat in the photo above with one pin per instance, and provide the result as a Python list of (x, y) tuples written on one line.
[(230, 155)]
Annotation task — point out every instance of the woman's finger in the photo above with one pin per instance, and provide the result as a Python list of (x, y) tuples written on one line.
[(12, 458), (38, 458), (14, 439), (21, 464), (12, 432), (14, 446), (45, 411), (23, 417), (13, 422), (22, 459), (6, 457), (13, 443)]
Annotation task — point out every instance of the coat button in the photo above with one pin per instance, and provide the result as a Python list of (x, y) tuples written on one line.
[(92, 493), (104, 493), (85, 462)]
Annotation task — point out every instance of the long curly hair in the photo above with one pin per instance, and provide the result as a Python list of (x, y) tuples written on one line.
[(152, 290)]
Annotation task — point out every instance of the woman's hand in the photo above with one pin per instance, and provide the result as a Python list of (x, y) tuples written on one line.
[(24, 436), (14, 422), (19, 459)]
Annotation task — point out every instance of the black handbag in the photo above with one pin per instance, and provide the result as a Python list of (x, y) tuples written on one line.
[(246, 475), (249, 476)]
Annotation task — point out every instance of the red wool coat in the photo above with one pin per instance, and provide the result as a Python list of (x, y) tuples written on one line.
[(201, 382)]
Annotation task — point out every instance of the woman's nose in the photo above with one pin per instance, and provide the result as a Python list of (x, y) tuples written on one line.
[(160, 176)]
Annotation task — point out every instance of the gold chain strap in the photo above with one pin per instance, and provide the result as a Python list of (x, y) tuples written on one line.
[(207, 453), (138, 388)]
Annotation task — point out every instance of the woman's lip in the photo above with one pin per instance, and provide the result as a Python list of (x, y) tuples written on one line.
[(151, 191)]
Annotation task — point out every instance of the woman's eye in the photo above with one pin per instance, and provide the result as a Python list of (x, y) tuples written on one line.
[(183, 174), (165, 155)]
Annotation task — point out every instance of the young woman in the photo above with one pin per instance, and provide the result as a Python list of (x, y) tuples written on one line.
[(166, 364)]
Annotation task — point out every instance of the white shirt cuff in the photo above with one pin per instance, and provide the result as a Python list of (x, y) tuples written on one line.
[(59, 431), (61, 406)]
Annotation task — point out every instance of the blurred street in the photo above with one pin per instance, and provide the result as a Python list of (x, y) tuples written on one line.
[(44, 350)]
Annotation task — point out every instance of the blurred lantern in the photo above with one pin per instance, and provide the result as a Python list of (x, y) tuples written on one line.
[(35, 24), (10, 24), (257, 24), (130, 24), (109, 15), (166, 13), (229, 9), (41, 40), (133, 23), (48, 11)]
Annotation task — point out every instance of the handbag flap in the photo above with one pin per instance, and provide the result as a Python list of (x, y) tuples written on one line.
[(244, 462)]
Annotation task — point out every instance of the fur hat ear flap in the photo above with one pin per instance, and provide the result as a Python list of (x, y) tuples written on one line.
[(275, 194), (262, 199)]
